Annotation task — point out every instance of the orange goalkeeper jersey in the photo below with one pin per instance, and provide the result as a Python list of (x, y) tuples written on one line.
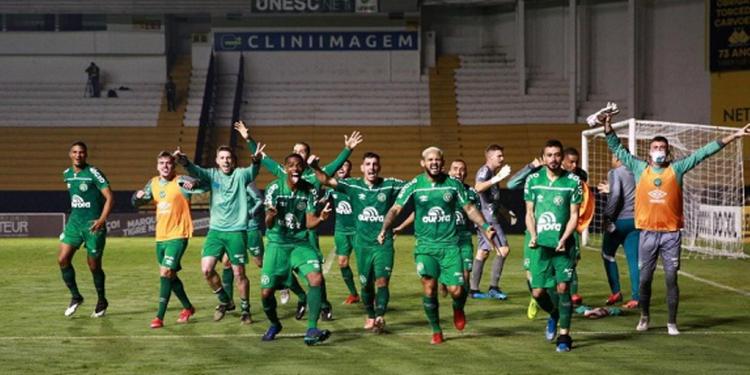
[(173, 218), (586, 211)]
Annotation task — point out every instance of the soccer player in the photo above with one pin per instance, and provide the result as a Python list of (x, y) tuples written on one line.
[(290, 212), (436, 198), (658, 212), (174, 227), (371, 197), (344, 232), (620, 229), (227, 229), (487, 182), (254, 240), (303, 149), (91, 201), (553, 197)]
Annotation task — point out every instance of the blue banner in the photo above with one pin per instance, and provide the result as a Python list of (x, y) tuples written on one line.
[(317, 41)]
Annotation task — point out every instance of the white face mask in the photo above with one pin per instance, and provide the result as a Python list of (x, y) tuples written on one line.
[(658, 156)]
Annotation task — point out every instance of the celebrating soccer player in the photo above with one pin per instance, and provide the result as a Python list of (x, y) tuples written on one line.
[(227, 229), (91, 201), (658, 211), (553, 197), (372, 196), (290, 213), (174, 226), (436, 198), (344, 232)]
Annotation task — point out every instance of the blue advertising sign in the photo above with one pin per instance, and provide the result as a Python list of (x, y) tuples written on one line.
[(317, 41)]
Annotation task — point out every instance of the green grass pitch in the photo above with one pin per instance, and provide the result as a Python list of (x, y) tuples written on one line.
[(35, 337)]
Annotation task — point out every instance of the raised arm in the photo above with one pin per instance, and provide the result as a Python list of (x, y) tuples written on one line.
[(683, 165), (517, 180), (613, 142), (485, 182), (273, 166), (202, 174), (350, 143), (323, 177)]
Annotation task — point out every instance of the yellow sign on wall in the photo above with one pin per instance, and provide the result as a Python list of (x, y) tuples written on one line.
[(730, 98)]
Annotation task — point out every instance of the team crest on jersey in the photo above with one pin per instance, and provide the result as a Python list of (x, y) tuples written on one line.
[(361, 196), (291, 222), (265, 280), (162, 194), (83, 186), (381, 197), (657, 182), (423, 198), (557, 200), (657, 195), (300, 206), (447, 197), (163, 207), (436, 215), (548, 222)]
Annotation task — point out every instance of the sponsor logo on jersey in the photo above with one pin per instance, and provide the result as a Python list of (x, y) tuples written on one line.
[(423, 198), (291, 222), (343, 208), (657, 196), (163, 207), (162, 194), (437, 215), (98, 175), (381, 197), (557, 200), (370, 215), (265, 280), (83, 186), (78, 202), (448, 197), (460, 218), (548, 222), (300, 205)]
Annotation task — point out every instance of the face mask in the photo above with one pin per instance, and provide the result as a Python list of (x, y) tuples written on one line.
[(658, 156)]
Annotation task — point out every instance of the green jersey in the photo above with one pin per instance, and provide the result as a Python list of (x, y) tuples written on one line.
[(344, 213), (255, 207), (86, 199), (292, 206), (229, 201), (370, 204), (464, 226), (435, 204), (552, 200)]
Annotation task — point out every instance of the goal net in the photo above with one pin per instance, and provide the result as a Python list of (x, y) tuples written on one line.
[(713, 192)]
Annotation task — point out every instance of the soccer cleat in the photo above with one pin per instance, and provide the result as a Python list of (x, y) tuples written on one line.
[(157, 323), (576, 299), (564, 344), (300, 313), (642, 324), (326, 314), (475, 294), (672, 329), (532, 310), (597, 117), (246, 318), (315, 336), (352, 299), (369, 323), (459, 319), (100, 309), (284, 296), (271, 333), (496, 294), (379, 325), (551, 330), (437, 338), (185, 315), (75, 302), (231, 306), (221, 310), (632, 304), (614, 298)]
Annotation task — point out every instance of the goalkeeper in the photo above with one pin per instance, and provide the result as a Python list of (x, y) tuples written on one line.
[(658, 211)]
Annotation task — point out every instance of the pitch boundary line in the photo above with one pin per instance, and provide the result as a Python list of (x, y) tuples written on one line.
[(712, 283), (653, 332)]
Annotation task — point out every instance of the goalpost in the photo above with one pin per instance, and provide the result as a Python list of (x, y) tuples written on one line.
[(713, 192)]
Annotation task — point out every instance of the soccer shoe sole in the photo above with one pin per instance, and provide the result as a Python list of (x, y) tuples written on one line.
[(73, 308), (315, 340)]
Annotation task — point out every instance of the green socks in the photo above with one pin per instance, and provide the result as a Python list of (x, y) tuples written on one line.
[(297, 290), (460, 302), (381, 300), (99, 283), (227, 281), (269, 307), (574, 283), (313, 305), (566, 310), (165, 290), (348, 275), (222, 296), (179, 290), (545, 301), (244, 305), (368, 300), (431, 309), (69, 277)]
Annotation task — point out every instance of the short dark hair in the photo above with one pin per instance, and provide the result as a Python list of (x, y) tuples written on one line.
[(79, 143), (370, 155), (227, 148), (494, 147), (165, 154), (571, 151), (347, 161), (552, 143), (659, 138), (294, 155), (307, 146), (459, 161)]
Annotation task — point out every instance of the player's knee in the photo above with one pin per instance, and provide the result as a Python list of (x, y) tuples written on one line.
[(208, 272), (562, 287), (94, 264), (482, 255), (315, 279), (537, 293), (166, 272), (258, 261), (343, 262), (381, 282), (455, 290), (266, 293)]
